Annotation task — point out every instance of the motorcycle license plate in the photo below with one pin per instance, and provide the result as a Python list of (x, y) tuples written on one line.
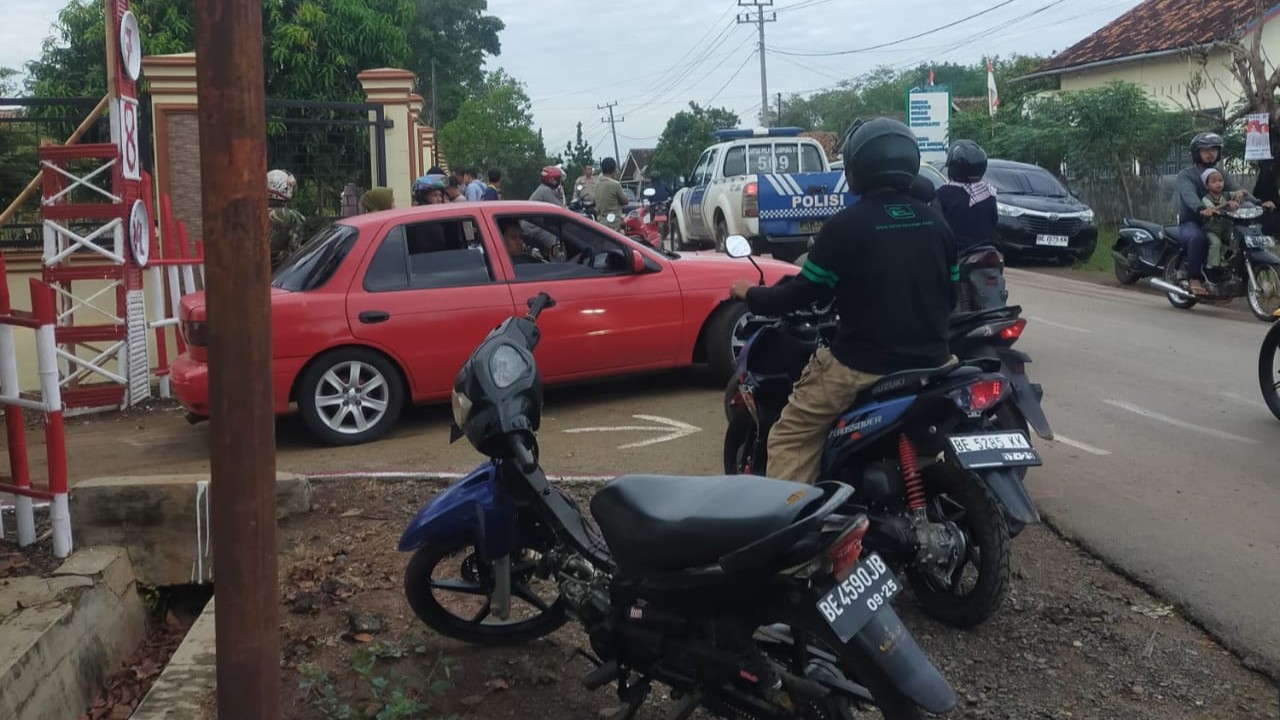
[(810, 227), (988, 450), (1053, 240), (849, 606)]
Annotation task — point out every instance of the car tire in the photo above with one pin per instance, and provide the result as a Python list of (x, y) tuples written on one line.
[(673, 231), (722, 233), (719, 340), (350, 396)]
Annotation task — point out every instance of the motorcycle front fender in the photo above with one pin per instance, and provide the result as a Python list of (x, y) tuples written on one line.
[(891, 647), (1011, 494), (1026, 396), (471, 507)]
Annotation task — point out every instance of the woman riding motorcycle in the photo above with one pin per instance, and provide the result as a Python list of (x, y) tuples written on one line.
[(968, 202)]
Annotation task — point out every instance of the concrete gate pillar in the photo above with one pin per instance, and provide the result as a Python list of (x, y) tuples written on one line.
[(392, 89), (176, 135)]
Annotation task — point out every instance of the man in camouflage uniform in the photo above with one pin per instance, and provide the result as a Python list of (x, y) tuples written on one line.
[(284, 223)]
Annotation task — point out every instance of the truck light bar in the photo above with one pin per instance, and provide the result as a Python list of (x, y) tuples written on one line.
[(734, 134)]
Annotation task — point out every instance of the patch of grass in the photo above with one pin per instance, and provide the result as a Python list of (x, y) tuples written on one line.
[(389, 696), (1101, 260)]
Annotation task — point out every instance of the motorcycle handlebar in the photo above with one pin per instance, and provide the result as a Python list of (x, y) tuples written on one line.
[(522, 452)]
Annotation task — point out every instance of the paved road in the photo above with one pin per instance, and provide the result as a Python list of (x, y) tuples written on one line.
[(1163, 463)]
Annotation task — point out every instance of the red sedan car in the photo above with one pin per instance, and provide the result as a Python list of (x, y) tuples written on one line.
[(381, 310)]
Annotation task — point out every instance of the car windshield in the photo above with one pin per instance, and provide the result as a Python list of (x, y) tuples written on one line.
[(1025, 181), (317, 260)]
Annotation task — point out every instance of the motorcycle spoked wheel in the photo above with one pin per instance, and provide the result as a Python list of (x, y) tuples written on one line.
[(462, 613), (825, 647), (981, 581), (1174, 273)]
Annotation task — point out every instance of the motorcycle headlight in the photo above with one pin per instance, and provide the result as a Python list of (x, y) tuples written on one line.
[(1259, 241), (506, 366), (461, 405), (1009, 210)]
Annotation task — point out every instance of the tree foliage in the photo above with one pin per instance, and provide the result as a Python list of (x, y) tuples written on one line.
[(313, 49), (577, 155), (495, 129), (457, 35), (686, 135)]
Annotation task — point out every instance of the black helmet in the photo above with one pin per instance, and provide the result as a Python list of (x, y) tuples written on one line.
[(966, 162), (881, 153), (1203, 141)]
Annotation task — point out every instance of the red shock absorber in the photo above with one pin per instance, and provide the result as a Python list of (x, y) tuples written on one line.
[(911, 472)]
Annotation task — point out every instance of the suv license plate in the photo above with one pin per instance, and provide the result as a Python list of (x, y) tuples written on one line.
[(1053, 240), (850, 605), (810, 227)]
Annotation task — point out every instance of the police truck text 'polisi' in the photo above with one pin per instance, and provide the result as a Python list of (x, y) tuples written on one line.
[(817, 201)]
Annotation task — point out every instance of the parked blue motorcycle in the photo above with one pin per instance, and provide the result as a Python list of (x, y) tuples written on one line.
[(748, 597), (931, 461)]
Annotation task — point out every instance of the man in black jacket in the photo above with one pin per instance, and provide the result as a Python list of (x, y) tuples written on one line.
[(890, 262)]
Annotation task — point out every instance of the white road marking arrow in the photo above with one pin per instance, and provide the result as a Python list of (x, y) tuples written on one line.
[(672, 429)]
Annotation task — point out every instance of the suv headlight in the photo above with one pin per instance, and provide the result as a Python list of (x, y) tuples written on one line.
[(1009, 210), (506, 366), (1087, 216)]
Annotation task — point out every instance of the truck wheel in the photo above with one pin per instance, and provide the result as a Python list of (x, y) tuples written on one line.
[(722, 233), (677, 238)]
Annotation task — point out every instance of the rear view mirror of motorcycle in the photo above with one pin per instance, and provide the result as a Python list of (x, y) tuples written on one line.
[(737, 246)]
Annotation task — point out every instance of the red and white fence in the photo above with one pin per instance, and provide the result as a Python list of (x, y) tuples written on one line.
[(180, 271), (43, 320)]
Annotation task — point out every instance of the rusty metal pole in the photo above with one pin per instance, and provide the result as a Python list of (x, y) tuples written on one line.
[(233, 171)]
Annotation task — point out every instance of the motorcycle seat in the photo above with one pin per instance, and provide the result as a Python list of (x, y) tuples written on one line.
[(908, 382), (1173, 232), (1153, 228), (668, 523)]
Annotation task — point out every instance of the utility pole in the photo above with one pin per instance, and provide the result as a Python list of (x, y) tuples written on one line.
[(435, 118), (759, 19), (612, 128), (242, 437), (779, 117)]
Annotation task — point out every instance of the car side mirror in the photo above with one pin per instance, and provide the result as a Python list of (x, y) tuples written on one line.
[(684, 182), (638, 264)]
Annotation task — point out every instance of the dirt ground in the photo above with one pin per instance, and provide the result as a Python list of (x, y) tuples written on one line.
[(1074, 640)]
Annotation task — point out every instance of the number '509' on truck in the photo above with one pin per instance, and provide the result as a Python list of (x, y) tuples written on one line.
[(770, 185)]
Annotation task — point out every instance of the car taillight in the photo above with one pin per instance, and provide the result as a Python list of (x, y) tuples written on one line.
[(751, 200), (847, 548), (1014, 331), (984, 395), (196, 333)]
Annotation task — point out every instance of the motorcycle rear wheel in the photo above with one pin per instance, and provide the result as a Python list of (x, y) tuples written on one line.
[(476, 582), (1171, 272), (891, 703), (1269, 369), (957, 497)]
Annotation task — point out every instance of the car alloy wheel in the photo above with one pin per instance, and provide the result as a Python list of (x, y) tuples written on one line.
[(352, 397)]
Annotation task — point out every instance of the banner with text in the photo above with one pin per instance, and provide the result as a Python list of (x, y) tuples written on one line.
[(928, 115), (1257, 142)]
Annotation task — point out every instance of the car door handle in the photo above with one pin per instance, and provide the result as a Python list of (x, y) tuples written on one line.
[(372, 317)]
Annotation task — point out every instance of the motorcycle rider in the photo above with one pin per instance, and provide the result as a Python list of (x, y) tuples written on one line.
[(1206, 151), (661, 193), (968, 202), (549, 189), (284, 224), (585, 188), (890, 262), (609, 197)]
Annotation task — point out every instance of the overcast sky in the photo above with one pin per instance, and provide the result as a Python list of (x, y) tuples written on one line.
[(653, 58)]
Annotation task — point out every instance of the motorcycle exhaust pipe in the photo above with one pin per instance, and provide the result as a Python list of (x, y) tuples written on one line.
[(1171, 288)]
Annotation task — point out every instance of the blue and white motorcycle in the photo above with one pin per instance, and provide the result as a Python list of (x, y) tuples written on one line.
[(748, 597), (925, 451)]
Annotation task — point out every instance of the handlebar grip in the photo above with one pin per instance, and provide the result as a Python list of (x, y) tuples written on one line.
[(522, 452)]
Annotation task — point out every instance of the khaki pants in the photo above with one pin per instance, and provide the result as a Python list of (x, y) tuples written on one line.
[(826, 389)]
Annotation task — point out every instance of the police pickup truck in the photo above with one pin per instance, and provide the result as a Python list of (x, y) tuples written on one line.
[(770, 185)]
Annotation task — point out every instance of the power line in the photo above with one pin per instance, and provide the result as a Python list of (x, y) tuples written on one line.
[(703, 56), (731, 78), (759, 20), (894, 42)]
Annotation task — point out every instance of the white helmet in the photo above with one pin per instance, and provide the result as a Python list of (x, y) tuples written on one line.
[(280, 185)]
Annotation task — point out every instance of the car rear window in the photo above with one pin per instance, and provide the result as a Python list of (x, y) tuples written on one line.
[(810, 158), (317, 260), (735, 162), (1025, 181)]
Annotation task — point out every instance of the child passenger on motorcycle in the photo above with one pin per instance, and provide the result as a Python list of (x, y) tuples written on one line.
[(1218, 227)]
